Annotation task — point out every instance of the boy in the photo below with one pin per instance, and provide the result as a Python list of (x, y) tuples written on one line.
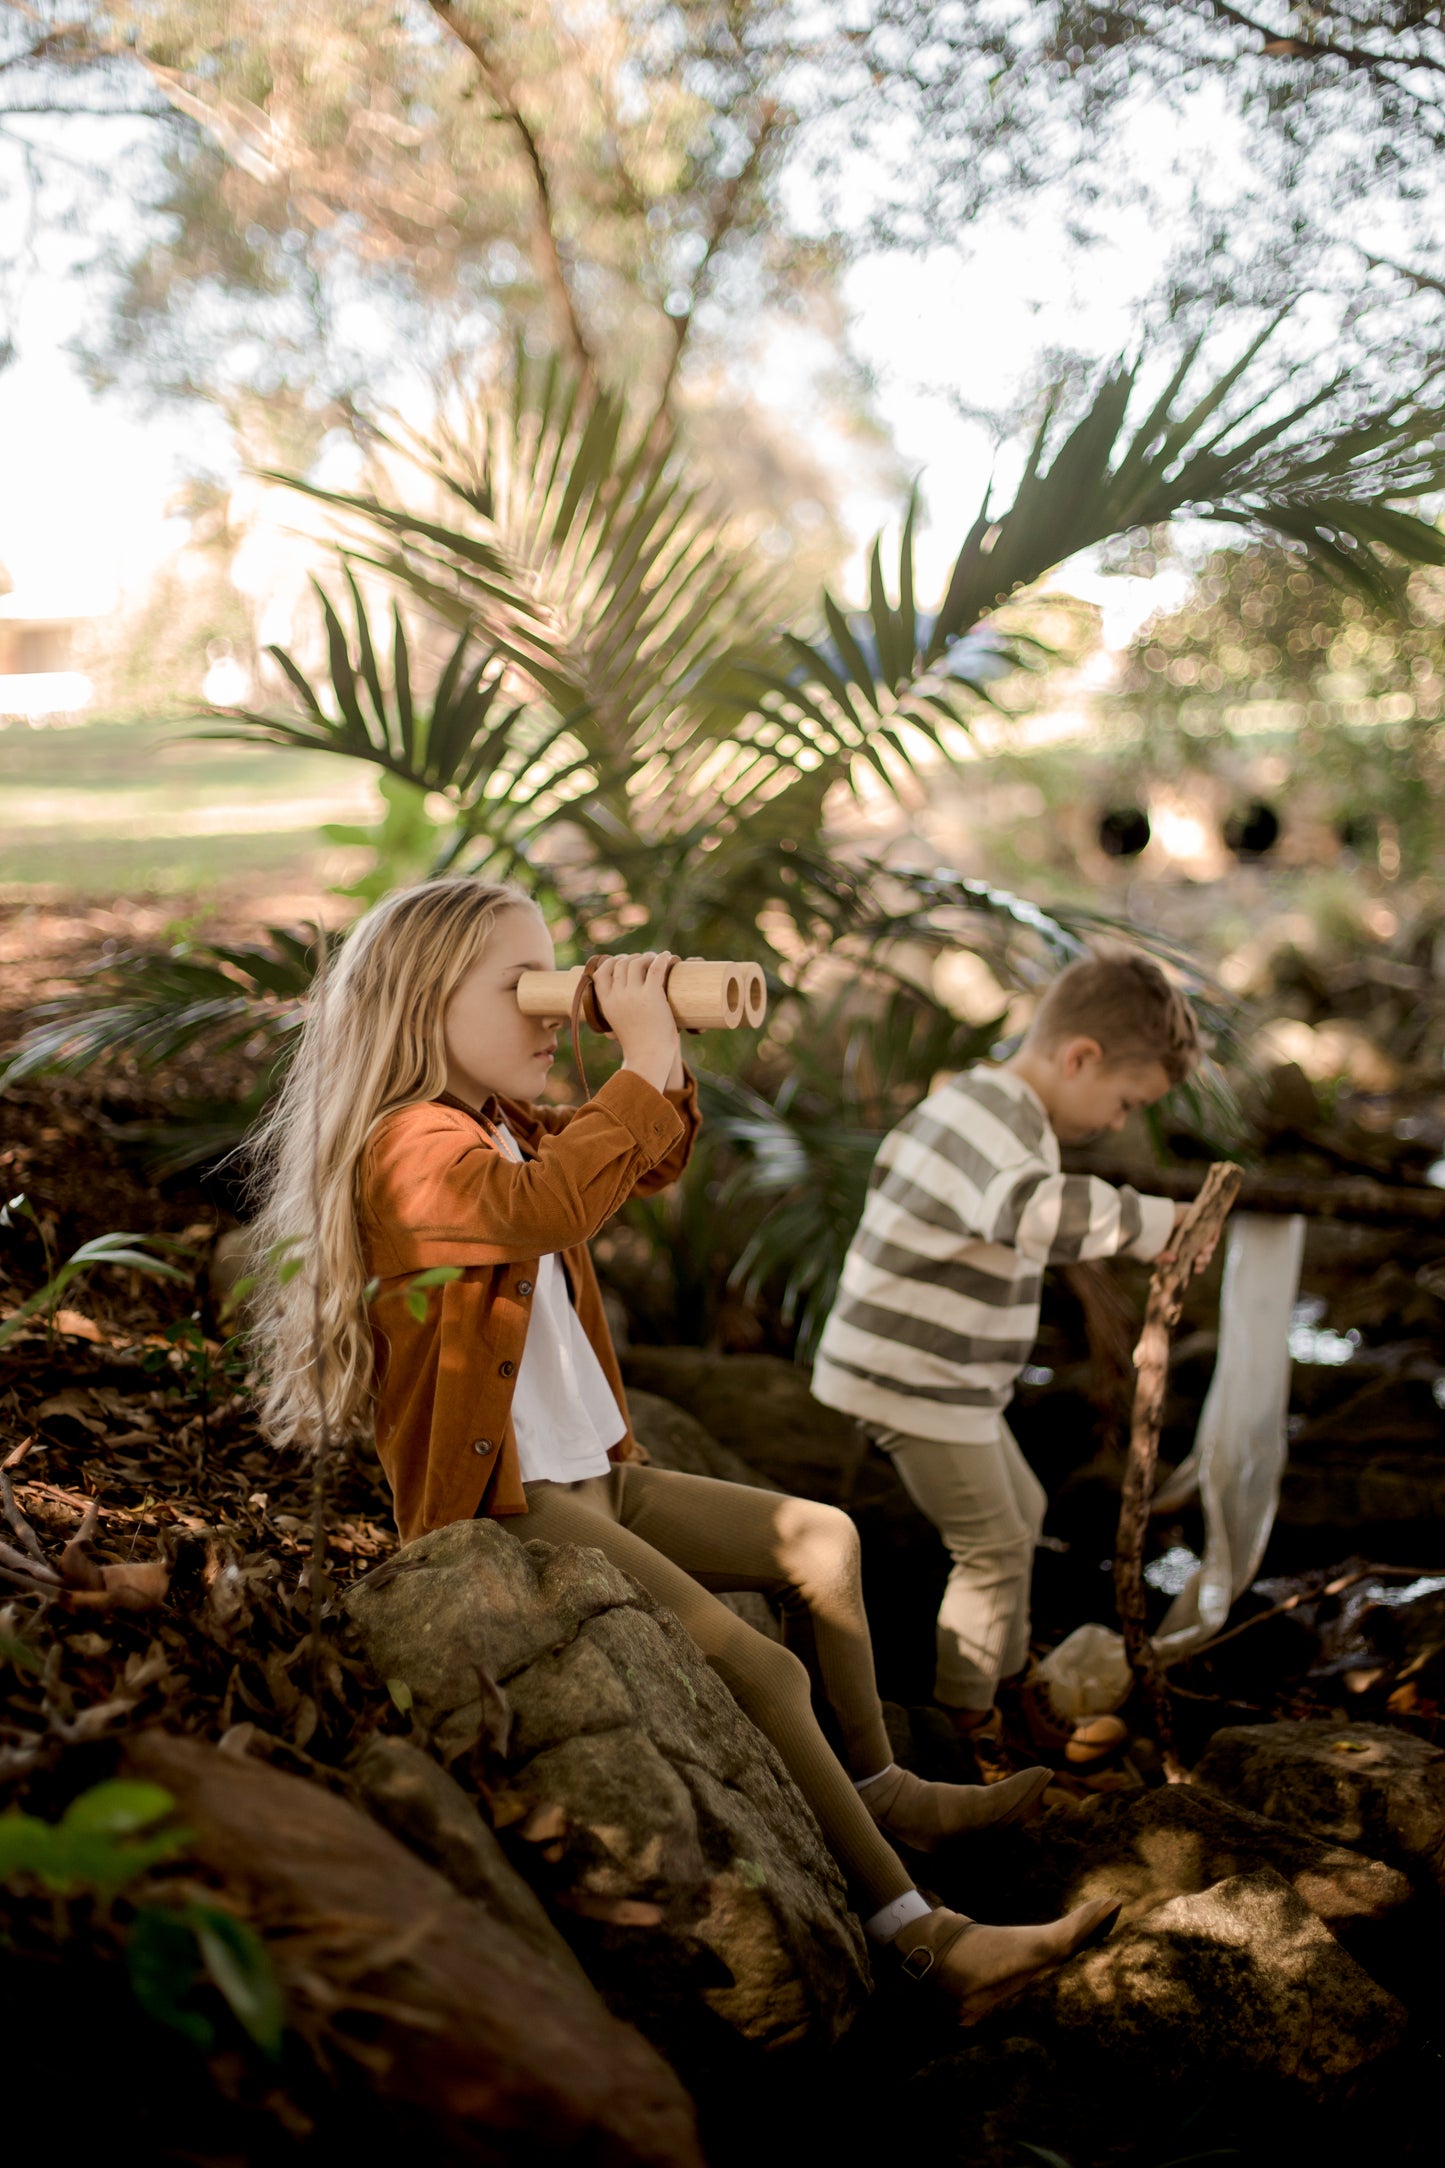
[(938, 1306)]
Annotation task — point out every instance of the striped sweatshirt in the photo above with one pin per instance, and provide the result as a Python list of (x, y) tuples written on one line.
[(938, 1308)]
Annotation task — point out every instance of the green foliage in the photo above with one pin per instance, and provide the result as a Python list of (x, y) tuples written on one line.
[(617, 714), (403, 843), (1268, 656), (106, 1837), (123, 1250), (172, 1953), (152, 1007)]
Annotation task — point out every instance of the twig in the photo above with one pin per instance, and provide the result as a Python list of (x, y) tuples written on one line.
[(14, 1458), (1191, 1244), (547, 256), (32, 1569), (1336, 1587), (17, 1519)]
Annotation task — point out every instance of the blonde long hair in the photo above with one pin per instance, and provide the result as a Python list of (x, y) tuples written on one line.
[(372, 1043)]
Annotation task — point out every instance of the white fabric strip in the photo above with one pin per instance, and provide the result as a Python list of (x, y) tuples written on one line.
[(884, 1925)]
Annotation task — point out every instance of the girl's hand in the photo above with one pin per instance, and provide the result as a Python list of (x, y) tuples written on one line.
[(631, 994)]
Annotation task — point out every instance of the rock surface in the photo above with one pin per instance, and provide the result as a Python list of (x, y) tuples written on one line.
[(760, 1408), (674, 1439), (422, 1804), (1377, 1790), (1240, 1981), (642, 1799), (479, 2052), (1149, 1847)]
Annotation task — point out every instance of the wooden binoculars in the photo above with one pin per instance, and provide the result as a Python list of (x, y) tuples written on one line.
[(702, 996)]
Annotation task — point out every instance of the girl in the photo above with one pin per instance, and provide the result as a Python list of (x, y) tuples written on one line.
[(408, 1137)]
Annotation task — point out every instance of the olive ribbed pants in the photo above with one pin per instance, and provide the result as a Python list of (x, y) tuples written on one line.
[(685, 1536)]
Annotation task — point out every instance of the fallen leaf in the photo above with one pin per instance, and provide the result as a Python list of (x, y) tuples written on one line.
[(75, 1403), (78, 1569), (77, 1327), (615, 1911), (544, 1824)]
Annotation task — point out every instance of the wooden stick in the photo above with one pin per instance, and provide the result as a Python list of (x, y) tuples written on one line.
[(1194, 1239), (702, 996)]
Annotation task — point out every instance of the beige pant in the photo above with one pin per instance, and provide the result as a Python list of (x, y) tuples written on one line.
[(685, 1536), (988, 1506)]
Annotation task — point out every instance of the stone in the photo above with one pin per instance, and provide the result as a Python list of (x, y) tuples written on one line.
[(1380, 1791), (474, 2051), (1149, 1847), (656, 1820), (674, 1439), (1241, 1981), (424, 1806), (759, 1407)]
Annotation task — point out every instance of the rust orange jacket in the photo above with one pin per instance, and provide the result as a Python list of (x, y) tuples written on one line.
[(436, 1189)]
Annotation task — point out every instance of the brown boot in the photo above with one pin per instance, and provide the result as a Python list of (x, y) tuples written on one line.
[(924, 1816), (981, 1968)]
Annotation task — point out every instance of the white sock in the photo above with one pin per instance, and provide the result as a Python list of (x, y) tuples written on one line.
[(884, 1925), (861, 1784)]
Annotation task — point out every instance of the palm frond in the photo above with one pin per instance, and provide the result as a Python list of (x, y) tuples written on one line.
[(152, 1007), (595, 567)]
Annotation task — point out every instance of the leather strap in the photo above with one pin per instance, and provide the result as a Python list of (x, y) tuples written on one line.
[(587, 1010), (584, 1005)]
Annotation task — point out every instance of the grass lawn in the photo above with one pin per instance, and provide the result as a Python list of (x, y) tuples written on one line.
[(131, 808)]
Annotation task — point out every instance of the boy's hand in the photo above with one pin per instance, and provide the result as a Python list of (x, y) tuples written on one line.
[(631, 992), (1167, 1254)]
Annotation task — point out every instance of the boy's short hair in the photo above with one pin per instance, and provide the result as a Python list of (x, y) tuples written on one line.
[(1125, 1002)]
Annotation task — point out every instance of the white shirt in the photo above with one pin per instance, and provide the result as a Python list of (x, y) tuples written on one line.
[(564, 1412)]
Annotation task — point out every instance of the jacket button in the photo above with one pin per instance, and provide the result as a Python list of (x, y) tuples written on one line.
[(482, 1445), (524, 1287), (506, 1369)]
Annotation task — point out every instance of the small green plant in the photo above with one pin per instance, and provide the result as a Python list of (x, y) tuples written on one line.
[(104, 1842), (104, 1839), (201, 1371), (115, 1249), (173, 1953)]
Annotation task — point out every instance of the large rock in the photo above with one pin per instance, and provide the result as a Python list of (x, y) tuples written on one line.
[(421, 1803), (1239, 1982), (674, 1439), (640, 1796), (760, 1408), (474, 2052), (1379, 1791), (1149, 1847)]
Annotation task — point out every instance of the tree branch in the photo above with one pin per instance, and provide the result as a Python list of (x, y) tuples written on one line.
[(549, 255), (727, 203), (1151, 1362), (1285, 45)]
